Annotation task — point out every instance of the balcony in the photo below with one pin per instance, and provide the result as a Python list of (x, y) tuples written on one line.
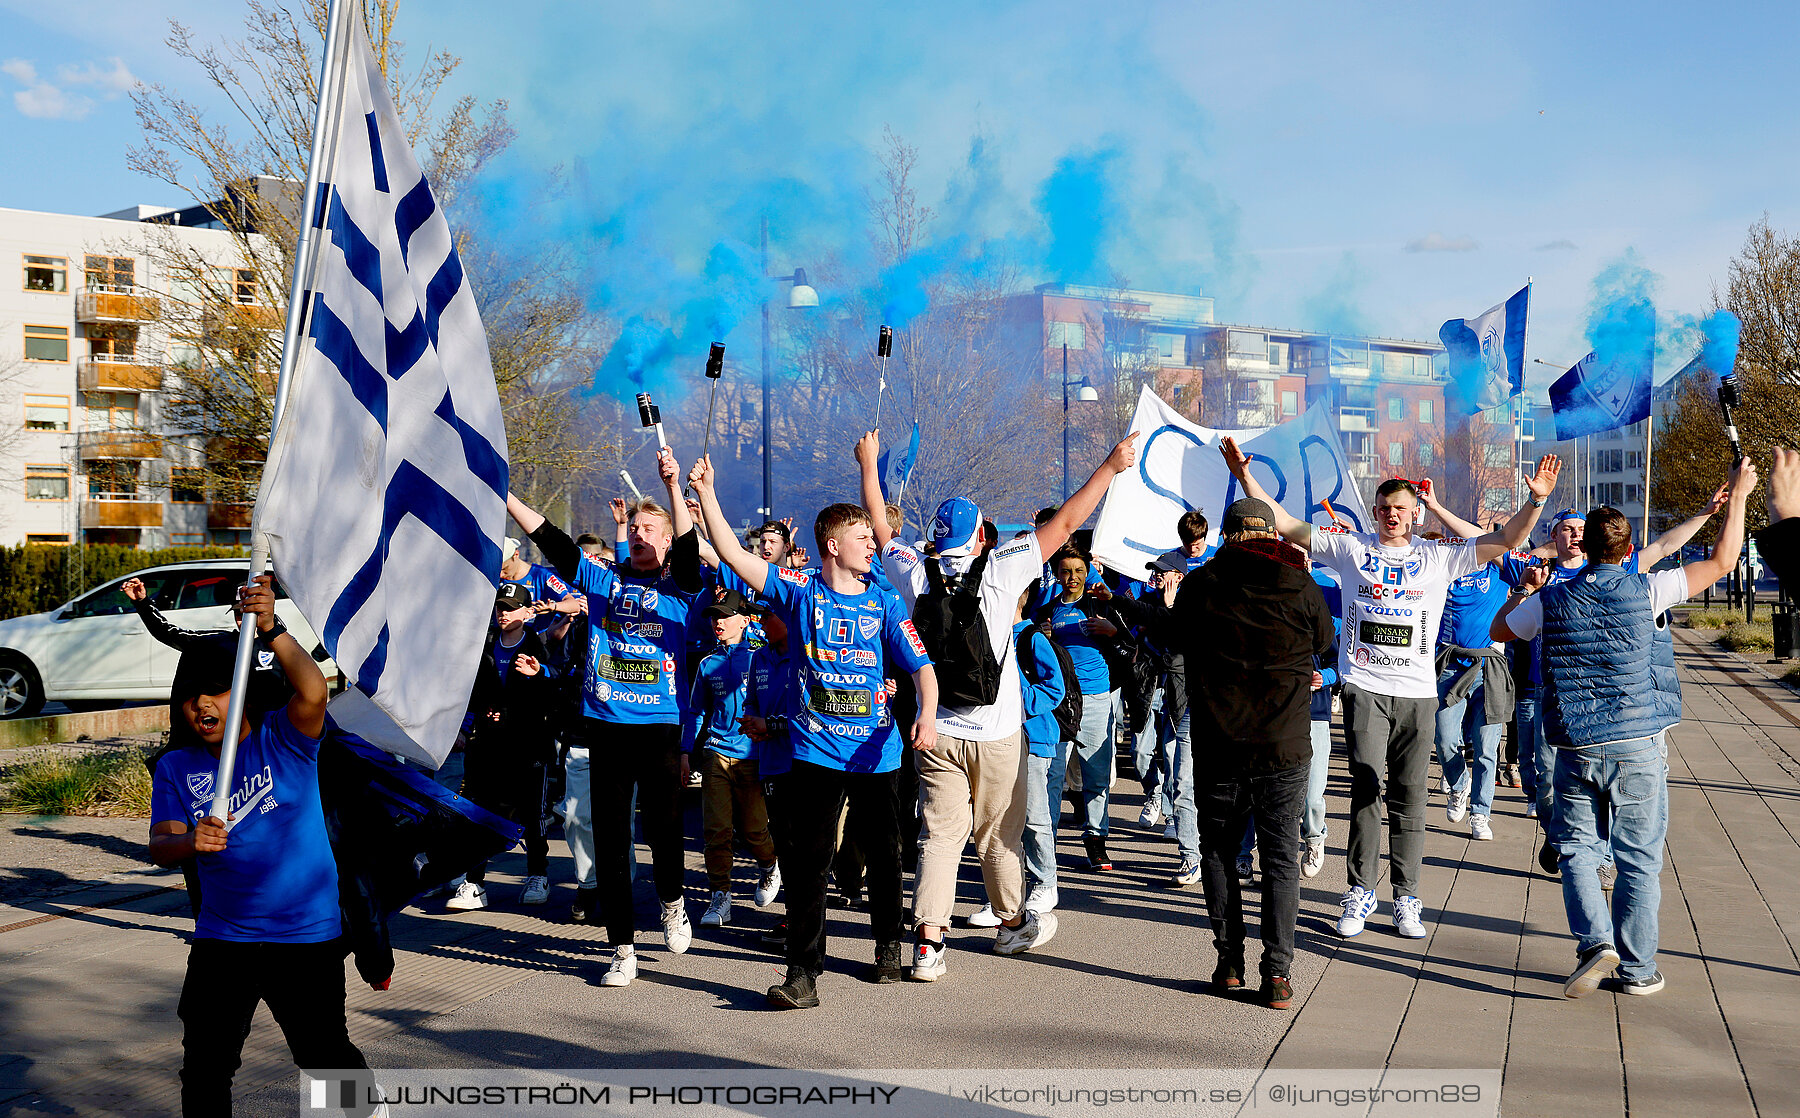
[(121, 510), (220, 515), (117, 372), (119, 444), (221, 320), (99, 303), (1356, 419)]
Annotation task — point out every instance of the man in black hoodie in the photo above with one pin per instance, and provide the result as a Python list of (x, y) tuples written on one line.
[(1251, 620)]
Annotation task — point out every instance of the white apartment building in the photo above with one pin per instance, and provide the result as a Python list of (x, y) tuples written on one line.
[(91, 333)]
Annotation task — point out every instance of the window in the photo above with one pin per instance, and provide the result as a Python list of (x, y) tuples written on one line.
[(47, 537), (243, 286), (110, 600), (46, 413), (188, 539), (231, 537), (46, 343), (1278, 353), (1633, 494), (1396, 454), (1497, 497), (1071, 334), (1353, 354), (1634, 459), (111, 272), (1249, 343), (1167, 345), (202, 589), (1497, 456), (1609, 461), (187, 485), (47, 483), (112, 480), (1426, 412), (1396, 408), (1290, 403), (110, 411), (113, 341), (1427, 456), (46, 273)]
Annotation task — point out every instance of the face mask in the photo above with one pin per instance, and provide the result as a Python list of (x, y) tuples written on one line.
[(955, 566)]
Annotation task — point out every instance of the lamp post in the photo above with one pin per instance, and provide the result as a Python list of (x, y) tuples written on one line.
[(1087, 395), (802, 295)]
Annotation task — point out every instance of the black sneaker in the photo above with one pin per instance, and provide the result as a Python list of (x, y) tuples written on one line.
[(1641, 986), (776, 937), (798, 992), (1096, 853), (586, 903), (1547, 859), (887, 964), (1595, 963), (1277, 992), (1228, 975)]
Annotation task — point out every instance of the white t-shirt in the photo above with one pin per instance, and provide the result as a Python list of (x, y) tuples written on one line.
[(1010, 569), (1668, 589), (1393, 604)]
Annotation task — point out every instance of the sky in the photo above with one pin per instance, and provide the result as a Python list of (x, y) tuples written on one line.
[(1313, 166)]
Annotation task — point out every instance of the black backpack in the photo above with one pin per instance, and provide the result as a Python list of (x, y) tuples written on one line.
[(1068, 712), (948, 618)]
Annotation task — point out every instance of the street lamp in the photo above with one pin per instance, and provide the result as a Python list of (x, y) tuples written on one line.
[(801, 296), (1087, 395)]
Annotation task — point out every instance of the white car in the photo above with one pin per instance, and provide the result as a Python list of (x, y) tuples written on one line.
[(96, 649)]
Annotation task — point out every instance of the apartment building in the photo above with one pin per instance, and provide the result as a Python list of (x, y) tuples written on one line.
[(96, 326)]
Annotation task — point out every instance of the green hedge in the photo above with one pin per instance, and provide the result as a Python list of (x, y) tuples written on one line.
[(35, 577)]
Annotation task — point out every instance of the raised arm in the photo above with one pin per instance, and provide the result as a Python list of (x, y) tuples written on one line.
[(555, 543), (753, 569), (1517, 530), (1238, 462), (868, 453), (670, 471), (1731, 535), (1530, 583), (1671, 541), (1081, 505), (306, 710), (1463, 528)]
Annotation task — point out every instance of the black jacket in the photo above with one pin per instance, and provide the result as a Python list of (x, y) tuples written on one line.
[(268, 687), (1156, 623), (1779, 546), (527, 706), (1249, 624)]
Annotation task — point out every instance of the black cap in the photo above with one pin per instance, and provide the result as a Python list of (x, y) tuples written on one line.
[(1247, 514), (728, 602), (512, 595)]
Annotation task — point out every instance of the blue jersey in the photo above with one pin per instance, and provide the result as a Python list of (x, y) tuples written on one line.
[(1469, 610), (637, 625), (1042, 683), (717, 701), (1068, 626), (276, 880), (545, 585), (841, 643), (771, 696)]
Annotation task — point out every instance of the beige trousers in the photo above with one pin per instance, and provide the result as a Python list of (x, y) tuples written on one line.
[(970, 787)]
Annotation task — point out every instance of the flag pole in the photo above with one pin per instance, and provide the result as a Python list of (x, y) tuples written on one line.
[(1649, 433), (331, 83)]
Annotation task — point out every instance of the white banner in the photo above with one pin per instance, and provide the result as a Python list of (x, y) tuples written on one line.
[(1300, 463)]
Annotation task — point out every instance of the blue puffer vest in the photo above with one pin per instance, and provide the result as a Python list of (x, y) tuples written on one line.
[(1609, 674)]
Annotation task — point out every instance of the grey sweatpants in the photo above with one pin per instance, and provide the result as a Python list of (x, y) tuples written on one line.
[(1390, 743)]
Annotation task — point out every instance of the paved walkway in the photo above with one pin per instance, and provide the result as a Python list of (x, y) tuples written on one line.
[(87, 1018)]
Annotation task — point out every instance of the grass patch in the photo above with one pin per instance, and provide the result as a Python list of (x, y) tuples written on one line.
[(1748, 636), (110, 782), (1792, 675), (1712, 618)]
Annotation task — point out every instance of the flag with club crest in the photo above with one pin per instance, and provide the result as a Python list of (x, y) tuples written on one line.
[(895, 469), (1486, 355), (384, 498)]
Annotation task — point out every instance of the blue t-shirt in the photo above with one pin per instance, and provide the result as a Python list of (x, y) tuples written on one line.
[(1042, 686), (1469, 610), (841, 643), (1326, 665), (504, 656), (771, 696), (637, 628), (1066, 625), (545, 585), (1512, 572), (276, 880), (716, 702)]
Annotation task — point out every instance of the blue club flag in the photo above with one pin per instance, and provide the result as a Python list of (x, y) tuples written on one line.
[(895, 472), (1487, 356), (1599, 395)]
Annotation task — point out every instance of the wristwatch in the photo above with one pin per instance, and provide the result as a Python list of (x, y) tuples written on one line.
[(1539, 502)]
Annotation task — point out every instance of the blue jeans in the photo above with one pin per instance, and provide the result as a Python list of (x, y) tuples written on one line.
[(1633, 778), (1462, 722), (1537, 757), (1147, 751), (1043, 812), (1312, 820), (1094, 752), (1178, 791)]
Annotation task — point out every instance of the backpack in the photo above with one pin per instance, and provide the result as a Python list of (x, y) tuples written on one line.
[(948, 618), (1068, 712)]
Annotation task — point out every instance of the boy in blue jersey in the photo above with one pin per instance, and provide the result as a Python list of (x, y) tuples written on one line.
[(1043, 689), (846, 748), (555, 601), (631, 709), (729, 790), (768, 708), (269, 927)]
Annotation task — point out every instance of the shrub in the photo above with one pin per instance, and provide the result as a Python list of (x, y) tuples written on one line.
[(1747, 636), (106, 782), (35, 577), (1711, 618)]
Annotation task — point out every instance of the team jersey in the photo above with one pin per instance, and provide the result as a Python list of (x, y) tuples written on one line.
[(771, 696), (545, 585), (1513, 566), (716, 701), (1469, 611), (1393, 603), (1070, 628), (276, 880), (504, 654), (637, 628), (840, 644), (1042, 681)]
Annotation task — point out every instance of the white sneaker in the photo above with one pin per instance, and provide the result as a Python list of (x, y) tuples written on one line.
[(536, 890), (1479, 828), (1042, 898), (1531, 810), (1407, 921), (717, 914), (467, 898), (1456, 806), (1035, 931), (984, 917), (1359, 905), (768, 885), (1186, 874), (677, 932), (928, 962), (1151, 817), (1312, 857), (623, 968)]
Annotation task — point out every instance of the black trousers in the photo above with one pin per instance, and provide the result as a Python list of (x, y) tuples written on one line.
[(304, 986), (810, 799), (1224, 804), (516, 791), (647, 760)]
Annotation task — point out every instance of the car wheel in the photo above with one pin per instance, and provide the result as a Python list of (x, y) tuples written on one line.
[(21, 691)]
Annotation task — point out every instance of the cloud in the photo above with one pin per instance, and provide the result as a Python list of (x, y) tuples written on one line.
[(1437, 242), (1561, 244), (44, 100)]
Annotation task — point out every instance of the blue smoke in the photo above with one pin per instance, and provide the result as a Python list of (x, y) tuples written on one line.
[(1621, 322)]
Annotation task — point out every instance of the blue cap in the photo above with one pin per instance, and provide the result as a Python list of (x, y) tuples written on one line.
[(956, 530)]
